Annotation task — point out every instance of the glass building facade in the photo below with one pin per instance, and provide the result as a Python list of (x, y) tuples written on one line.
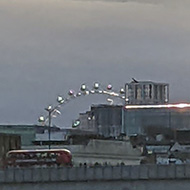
[(140, 120)]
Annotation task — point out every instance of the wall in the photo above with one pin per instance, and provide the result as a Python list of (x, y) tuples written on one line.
[(143, 177), (113, 152)]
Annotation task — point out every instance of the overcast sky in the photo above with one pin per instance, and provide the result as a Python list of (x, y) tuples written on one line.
[(48, 47)]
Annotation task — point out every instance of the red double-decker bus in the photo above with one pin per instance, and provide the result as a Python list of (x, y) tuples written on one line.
[(44, 157)]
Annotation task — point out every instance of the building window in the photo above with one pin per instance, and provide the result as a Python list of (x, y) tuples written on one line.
[(150, 91), (156, 92)]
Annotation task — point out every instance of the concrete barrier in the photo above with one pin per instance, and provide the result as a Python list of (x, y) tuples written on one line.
[(99, 173), (142, 177)]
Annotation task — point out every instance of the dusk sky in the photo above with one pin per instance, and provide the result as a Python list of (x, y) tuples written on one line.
[(50, 46)]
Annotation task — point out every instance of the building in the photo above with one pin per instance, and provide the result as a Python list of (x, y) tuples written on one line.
[(111, 152), (143, 120), (8, 142), (145, 108), (102, 120), (26, 132), (147, 112), (146, 92), (86, 121), (57, 136), (114, 120), (108, 119)]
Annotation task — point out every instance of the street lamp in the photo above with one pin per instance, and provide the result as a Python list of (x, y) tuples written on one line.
[(51, 110)]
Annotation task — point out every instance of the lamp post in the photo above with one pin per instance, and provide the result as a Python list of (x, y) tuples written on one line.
[(51, 110)]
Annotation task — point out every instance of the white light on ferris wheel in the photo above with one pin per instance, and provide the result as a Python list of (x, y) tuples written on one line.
[(96, 85), (83, 87)]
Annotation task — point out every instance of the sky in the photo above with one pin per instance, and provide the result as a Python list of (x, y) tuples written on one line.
[(49, 47)]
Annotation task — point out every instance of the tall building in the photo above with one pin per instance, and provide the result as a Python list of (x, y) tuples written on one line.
[(148, 110)]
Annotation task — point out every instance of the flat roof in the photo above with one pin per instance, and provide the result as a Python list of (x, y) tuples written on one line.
[(178, 105), (147, 82)]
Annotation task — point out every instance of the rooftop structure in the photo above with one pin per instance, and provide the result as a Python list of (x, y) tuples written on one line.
[(146, 92)]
